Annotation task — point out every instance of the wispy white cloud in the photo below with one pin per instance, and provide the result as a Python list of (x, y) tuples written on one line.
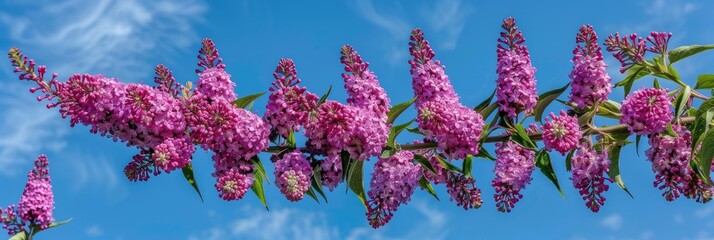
[(274, 225), (94, 171), (292, 223), (116, 37), (112, 36), (613, 221), (705, 211), (662, 15), (28, 129), (445, 20), (94, 231)]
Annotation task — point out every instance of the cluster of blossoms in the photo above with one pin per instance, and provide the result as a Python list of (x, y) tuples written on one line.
[(235, 135), (289, 105), (516, 83), (647, 111), (163, 125), (630, 50), (590, 168), (292, 175), (670, 157), (514, 166), (561, 133), (590, 83), (359, 129), (441, 117), (393, 182), (461, 188), (36, 203)]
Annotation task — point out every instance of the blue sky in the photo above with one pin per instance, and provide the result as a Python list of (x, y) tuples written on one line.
[(125, 39)]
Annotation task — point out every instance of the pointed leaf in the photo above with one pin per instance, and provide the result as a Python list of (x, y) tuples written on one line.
[(356, 183), (680, 102), (545, 99), (448, 166), (632, 74), (324, 97), (258, 188), (614, 173), (705, 81), (312, 195), (466, 165), (656, 84), (485, 103), (19, 236), (486, 112), (568, 161), (317, 181), (395, 131), (687, 51), (191, 178), (426, 185), (415, 130), (521, 137), (706, 153), (637, 144), (247, 100), (482, 153), (546, 167), (424, 162), (259, 167), (398, 109), (609, 109)]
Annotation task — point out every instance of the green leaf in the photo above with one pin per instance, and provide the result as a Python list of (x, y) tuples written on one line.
[(291, 139), (701, 121), (426, 185), (424, 162), (656, 84), (521, 137), (356, 183), (705, 81), (680, 102), (312, 195), (482, 153), (485, 103), (317, 181), (637, 144), (546, 167), (486, 112), (259, 167), (395, 131), (324, 97), (258, 188), (706, 153), (37, 229), (466, 165), (190, 177), (545, 99), (415, 130), (609, 109), (19, 236), (388, 152), (398, 109), (631, 75), (448, 166), (687, 51), (247, 100), (568, 161), (615, 168)]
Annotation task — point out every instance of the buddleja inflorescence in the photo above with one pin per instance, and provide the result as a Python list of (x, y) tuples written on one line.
[(166, 122)]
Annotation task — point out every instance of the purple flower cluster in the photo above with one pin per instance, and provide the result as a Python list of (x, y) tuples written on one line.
[(393, 182), (441, 117), (561, 133), (590, 168), (36, 203), (670, 161), (173, 153), (646, 111), (232, 185), (293, 175), (628, 50), (514, 165), (590, 81), (361, 84), (516, 83), (463, 191), (289, 105)]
